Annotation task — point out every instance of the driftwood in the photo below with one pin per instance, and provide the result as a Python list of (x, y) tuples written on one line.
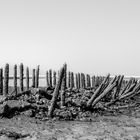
[(107, 90), (130, 90), (118, 86), (89, 103)]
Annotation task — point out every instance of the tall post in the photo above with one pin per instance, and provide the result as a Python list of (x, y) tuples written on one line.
[(27, 78), (54, 78), (1, 81), (88, 80), (6, 79), (83, 80), (79, 80), (77, 84), (69, 79), (15, 79), (37, 77), (21, 77), (33, 78), (50, 77), (63, 86)]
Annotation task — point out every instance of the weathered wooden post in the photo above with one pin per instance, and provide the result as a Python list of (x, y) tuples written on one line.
[(27, 78), (54, 78), (33, 78), (77, 84), (1, 81), (6, 79), (15, 79), (65, 67), (50, 78), (82, 80), (88, 81), (63, 86), (69, 79), (37, 77), (79, 80), (93, 81), (21, 77)]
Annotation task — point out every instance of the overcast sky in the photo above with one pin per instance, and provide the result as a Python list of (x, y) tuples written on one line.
[(92, 36)]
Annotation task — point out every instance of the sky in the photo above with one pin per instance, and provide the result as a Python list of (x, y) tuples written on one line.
[(91, 36)]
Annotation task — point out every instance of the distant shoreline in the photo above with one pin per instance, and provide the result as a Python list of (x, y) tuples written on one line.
[(43, 77)]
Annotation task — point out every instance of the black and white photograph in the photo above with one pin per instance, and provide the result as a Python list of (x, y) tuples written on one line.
[(69, 70)]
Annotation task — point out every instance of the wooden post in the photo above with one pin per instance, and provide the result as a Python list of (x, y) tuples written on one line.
[(77, 84), (15, 79), (63, 86), (50, 78), (6, 79), (33, 78), (1, 81), (37, 77), (93, 81), (21, 77), (27, 78), (82, 80), (69, 79), (79, 80), (88, 80), (54, 78), (65, 77)]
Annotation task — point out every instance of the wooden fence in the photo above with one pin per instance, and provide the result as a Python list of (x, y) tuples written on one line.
[(73, 80)]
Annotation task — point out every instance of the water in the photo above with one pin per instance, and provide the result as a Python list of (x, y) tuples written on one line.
[(42, 82)]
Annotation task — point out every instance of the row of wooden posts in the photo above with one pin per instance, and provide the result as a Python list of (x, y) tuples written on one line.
[(78, 80), (110, 89)]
